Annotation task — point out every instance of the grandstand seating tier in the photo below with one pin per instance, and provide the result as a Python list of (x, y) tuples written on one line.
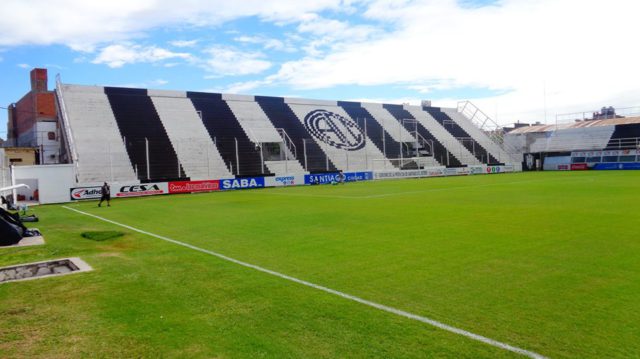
[(375, 132), (103, 159), (457, 151), (392, 126), (141, 128), (237, 150), (192, 135), (254, 121), (196, 151), (459, 133), (493, 148), (587, 138), (309, 153), (345, 160)]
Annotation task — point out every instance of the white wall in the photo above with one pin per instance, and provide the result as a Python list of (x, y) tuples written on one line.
[(53, 181), (50, 148)]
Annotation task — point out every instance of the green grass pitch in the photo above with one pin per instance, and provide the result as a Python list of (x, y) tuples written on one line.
[(547, 262)]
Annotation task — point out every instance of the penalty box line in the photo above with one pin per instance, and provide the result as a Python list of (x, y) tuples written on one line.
[(369, 303)]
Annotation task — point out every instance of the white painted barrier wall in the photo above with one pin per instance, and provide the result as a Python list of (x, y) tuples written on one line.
[(51, 181)]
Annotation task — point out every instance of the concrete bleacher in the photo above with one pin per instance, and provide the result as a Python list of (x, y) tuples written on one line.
[(146, 139), (252, 118), (388, 122), (285, 167), (480, 137), (453, 146), (239, 152), (375, 132), (102, 155), (461, 135), (309, 153), (157, 135), (260, 130), (353, 160), (196, 151), (587, 138), (438, 151)]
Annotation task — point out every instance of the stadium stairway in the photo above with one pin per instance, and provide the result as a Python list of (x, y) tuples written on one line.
[(285, 167), (224, 128), (361, 159), (375, 132), (103, 159), (138, 122), (196, 151), (480, 137), (281, 116), (459, 133), (440, 151)]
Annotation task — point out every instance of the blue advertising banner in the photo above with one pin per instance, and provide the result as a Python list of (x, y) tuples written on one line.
[(358, 176), (326, 178), (617, 166), (321, 178), (241, 183)]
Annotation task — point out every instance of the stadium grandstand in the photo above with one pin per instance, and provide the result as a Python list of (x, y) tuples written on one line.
[(600, 140), (134, 135)]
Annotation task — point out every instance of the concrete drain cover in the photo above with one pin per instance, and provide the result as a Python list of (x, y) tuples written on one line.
[(44, 269)]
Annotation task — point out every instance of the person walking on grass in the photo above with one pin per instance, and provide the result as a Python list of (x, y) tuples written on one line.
[(106, 195)]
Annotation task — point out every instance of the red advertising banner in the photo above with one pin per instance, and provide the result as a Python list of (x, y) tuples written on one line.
[(579, 166), (194, 186)]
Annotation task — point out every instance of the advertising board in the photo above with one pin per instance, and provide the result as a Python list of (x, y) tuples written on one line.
[(144, 189), (79, 193), (242, 183), (280, 181), (194, 186)]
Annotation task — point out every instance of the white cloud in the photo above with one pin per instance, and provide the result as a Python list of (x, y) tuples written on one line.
[(243, 87), (267, 43), (517, 47), (332, 34), (183, 43), (24, 66), (158, 82), (228, 61), (147, 84), (84, 24), (118, 55)]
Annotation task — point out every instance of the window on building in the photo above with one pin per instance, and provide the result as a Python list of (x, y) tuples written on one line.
[(51, 135)]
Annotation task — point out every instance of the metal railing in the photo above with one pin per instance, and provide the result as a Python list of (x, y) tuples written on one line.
[(623, 143), (487, 125), (288, 142), (600, 114), (68, 135)]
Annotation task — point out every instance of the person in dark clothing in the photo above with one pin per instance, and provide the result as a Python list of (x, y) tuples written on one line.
[(106, 195)]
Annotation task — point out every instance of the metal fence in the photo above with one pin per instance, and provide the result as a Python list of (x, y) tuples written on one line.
[(601, 114), (151, 159)]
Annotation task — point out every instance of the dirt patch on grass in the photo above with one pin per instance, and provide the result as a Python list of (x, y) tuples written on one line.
[(111, 254), (100, 236)]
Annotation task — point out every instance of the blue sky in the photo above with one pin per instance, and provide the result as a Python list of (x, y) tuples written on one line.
[(516, 59)]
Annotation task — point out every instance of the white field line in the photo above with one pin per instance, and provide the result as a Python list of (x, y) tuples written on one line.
[(385, 308)]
